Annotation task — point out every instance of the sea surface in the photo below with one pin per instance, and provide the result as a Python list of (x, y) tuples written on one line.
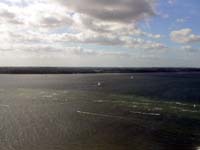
[(141, 111)]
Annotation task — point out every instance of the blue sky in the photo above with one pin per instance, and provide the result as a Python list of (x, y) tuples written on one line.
[(117, 33)]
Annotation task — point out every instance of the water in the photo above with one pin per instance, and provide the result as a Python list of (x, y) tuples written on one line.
[(64, 112)]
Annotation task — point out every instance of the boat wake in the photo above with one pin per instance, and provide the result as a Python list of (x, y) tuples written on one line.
[(100, 115)]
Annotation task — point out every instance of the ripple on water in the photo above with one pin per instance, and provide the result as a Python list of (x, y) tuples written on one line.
[(158, 109), (47, 96), (3, 105), (99, 101), (187, 110)]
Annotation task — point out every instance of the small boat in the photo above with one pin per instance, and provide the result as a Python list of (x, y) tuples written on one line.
[(131, 77), (99, 84)]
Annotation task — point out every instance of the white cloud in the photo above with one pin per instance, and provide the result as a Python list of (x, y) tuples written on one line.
[(43, 15), (108, 40), (10, 15), (45, 28), (112, 10), (181, 20), (84, 38), (47, 50), (184, 36)]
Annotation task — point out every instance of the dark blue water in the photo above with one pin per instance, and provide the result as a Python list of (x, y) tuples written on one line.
[(161, 86)]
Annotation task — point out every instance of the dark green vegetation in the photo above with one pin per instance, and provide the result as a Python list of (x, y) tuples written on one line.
[(64, 112)]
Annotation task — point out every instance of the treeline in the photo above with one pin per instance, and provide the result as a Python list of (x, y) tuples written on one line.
[(75, 70)]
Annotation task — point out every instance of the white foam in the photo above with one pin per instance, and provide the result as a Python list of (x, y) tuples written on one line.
[(158, 108), (2, 105), (47, 96), (99, 115), (54, 94), (134, 106), (141, 103), (187, 110), (143, 113), (99, 101), (182, 104)]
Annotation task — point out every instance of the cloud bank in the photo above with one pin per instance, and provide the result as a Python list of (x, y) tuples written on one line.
[(98, 29)]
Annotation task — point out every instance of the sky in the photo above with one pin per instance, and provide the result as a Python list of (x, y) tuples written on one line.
[(100, 33)]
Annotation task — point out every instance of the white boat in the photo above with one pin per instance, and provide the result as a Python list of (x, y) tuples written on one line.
[(99, 84)]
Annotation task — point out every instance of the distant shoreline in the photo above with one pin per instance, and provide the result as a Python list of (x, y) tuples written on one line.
[(89, 70)]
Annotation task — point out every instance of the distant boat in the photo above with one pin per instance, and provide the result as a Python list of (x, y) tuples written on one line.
[(131, 77), (99, 84)]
